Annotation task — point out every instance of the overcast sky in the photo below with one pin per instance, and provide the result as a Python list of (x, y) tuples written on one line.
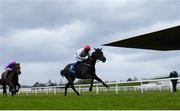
[(43, 36)]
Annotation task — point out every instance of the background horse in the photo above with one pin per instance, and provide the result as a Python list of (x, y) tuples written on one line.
[(86, 70), (11, 79)]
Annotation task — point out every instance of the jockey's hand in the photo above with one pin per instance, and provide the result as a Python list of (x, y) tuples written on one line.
[(86, 57)]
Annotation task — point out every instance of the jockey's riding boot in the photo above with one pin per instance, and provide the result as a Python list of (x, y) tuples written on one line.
[(77, 64), (74, 67), (72, 70), (7, 74)]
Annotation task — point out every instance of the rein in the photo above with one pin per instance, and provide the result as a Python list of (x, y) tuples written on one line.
[(95, 59), (87, 64), (98, 61), (90, 64)]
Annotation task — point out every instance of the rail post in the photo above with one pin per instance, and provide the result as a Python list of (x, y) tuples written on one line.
[(36, 91), (97, 89), (141, 87), (54, 90), (116, 88), (170, 85), (79, 89)]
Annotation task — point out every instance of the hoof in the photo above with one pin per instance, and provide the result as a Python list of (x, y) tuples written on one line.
[(107, 87), (90, 90)]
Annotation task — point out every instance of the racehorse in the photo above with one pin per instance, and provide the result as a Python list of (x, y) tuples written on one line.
[(86, 70), (11, 80)]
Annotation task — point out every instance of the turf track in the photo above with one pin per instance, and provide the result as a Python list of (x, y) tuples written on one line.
[(104, 101)]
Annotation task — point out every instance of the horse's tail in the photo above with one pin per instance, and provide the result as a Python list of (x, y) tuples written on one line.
[(62, 73), (0, 81)]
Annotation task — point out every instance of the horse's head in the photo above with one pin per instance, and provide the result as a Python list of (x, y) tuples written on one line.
[(17, 68), (98, 54)]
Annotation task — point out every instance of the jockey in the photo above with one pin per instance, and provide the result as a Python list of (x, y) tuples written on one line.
[(81, 54), (9, 67)]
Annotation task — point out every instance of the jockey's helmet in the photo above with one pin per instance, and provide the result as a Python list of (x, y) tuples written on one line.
[(87, 47), (13, 62)]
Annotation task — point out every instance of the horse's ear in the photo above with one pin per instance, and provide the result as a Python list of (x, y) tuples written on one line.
[(95, 49), (100, 48), (17, 63)]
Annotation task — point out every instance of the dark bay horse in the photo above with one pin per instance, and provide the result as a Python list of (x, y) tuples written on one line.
[(12, 80), (86, 70)]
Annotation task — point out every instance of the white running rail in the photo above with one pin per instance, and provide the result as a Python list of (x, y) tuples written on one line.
[(142, 85)]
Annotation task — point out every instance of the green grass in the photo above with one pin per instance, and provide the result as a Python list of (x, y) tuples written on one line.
[(104, 101)]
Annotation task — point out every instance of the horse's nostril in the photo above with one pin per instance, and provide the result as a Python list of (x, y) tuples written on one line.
[(104, 59)]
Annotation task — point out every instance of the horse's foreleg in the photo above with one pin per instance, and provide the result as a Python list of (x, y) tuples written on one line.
[(90, 88), (98, 79), (12, 89), (18, 87)]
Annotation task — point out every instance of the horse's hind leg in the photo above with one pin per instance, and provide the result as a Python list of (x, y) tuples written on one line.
[(4, 90), (66, 87), (90, 88), (72, 86), (98, 79)]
